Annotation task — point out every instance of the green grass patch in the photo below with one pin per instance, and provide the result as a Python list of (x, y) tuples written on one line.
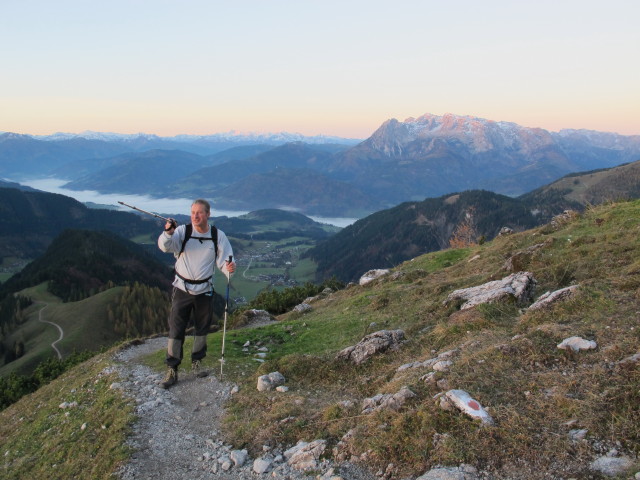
[(40, 440)]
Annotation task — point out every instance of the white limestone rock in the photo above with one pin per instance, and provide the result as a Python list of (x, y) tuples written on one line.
[(371, 275), (549, 298), (467, 405), (372, 344), (519, 286), (577, 344)]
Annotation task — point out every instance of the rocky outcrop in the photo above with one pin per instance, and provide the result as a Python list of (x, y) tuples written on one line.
[(323, 294), (302, 308), (305, 456), (387, 401), (563, 218), (518, 286), (435, 363), (547, 299), (372, 344)]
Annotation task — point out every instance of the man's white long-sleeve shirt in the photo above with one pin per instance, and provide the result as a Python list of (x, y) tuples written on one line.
[(197, 261)]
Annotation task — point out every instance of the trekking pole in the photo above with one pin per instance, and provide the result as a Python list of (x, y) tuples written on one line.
[(226, 311), (144, 211)]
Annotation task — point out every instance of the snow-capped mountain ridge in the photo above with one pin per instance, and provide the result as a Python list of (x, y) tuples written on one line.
[(233, 136), (482, 134)]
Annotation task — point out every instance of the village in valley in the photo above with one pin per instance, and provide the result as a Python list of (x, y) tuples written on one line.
[(264, 265)]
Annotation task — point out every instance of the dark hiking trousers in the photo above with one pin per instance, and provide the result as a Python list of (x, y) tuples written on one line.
[(182, 305)]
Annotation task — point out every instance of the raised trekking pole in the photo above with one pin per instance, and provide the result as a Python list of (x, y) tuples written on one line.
[(226, 312), (148, 213)]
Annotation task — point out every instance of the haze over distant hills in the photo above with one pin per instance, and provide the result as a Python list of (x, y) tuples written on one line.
[(419, 158)]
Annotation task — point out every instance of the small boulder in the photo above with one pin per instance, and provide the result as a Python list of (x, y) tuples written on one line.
[(239, 457), (372, 344), (305, 456), (261, 465), (467, 405), (371, 275), (576, 344), (442, 365), (463, 472), (302, 308), (388, 401), (270, 381)]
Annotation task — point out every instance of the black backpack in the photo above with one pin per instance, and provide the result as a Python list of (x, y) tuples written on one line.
[(189, 231)]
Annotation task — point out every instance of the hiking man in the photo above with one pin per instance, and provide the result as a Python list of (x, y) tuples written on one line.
[(198, 249)]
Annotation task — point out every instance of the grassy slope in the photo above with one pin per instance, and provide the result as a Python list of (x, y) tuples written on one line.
[(40, 440), (85, 325), (507, 360)]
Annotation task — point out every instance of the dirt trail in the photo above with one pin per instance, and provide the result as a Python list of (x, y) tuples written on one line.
[(177, 432), (53, 345)]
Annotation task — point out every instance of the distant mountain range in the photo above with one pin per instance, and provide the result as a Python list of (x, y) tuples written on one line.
[(419, 158), (434, 155), (31, 219)]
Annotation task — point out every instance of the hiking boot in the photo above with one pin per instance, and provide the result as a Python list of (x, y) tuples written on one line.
[(197, 370), (171, 378)]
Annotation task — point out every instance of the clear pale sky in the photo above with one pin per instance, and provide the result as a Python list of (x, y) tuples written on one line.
[(315, 67)]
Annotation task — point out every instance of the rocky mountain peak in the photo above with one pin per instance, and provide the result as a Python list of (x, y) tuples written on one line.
[(478, 134)]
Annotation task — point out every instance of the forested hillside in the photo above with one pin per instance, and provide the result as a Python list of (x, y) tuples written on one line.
[(389, 237), (32, 219), (79, 263)]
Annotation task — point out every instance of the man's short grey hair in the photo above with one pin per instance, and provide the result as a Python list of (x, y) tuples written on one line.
[(204, 203)]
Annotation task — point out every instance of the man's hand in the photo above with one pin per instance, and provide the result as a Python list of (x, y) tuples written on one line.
[(170, 226), (231, 266)]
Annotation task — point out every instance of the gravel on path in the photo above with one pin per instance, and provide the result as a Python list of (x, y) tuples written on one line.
[(177, 433)]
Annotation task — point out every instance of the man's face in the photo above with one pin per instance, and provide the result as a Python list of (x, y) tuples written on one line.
[(199, 217)]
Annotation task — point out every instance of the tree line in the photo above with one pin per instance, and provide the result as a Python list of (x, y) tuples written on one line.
[(140, 310), (11, 317)]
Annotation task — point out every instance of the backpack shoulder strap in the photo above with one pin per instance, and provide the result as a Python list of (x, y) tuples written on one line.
[(187, 236), (214, 237)]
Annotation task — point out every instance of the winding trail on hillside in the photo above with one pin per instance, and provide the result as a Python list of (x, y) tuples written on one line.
[(53, 345), (244, 273)]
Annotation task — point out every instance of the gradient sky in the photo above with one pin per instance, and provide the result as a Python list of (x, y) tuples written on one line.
[(329, 67)]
